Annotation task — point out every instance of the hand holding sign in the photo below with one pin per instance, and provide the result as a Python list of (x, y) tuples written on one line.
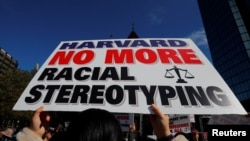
[(40, 121), (38, 125), (86, 123), (160, 122)]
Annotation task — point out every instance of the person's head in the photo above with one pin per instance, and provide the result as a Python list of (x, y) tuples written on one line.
[(94, 125), (195, 134), (180, 136)]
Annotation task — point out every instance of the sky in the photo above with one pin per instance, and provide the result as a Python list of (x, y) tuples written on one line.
[(31, 29)]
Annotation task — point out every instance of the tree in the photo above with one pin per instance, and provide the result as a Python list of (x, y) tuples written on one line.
[(12, 84)]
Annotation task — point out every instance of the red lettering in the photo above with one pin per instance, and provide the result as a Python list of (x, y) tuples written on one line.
[(176, 130), (61, 57), (189, 57), (179, 125), (125, 56), (64, 57), (83, 57), (169, 54), (122, 117), (148, 56)]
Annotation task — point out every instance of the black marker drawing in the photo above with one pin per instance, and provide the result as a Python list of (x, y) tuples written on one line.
[(177, 71)]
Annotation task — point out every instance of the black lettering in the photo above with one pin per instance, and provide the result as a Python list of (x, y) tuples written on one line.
[(149, 94), (64, 94), (182, 96), (200, 95), (36, 94), (124, 74), (49, 73), (97, 94), (80, 91), (217, 96), (166, 92), (95, 74), (80, 75), (51, 89), (65, 73), (131, 93), (109, 72), (114, 94)]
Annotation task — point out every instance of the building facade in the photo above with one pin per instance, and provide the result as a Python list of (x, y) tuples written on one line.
[(227, 27), (6, 62)]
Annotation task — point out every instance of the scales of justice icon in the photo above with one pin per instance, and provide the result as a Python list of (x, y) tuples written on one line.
[(177, 71)]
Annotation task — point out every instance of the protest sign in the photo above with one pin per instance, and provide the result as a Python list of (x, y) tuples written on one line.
[(128, 75), (181, 123), (125, 119)]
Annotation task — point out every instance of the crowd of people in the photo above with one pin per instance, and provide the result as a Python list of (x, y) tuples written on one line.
[(92, 125)]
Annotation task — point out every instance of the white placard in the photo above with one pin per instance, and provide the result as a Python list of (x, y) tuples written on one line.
[(127, 75)]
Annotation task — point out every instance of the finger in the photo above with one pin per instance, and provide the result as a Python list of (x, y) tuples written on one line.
[(37, 113), (157, 111)]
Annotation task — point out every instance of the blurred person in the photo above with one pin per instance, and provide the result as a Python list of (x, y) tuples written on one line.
[(132, 128), (93, 125), (38, 125), (132, 132), (181, 136), (195, 134), (8, 134), (47, 136)]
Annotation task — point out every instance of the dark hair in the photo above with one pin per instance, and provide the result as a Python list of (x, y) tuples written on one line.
[(94, 125)]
